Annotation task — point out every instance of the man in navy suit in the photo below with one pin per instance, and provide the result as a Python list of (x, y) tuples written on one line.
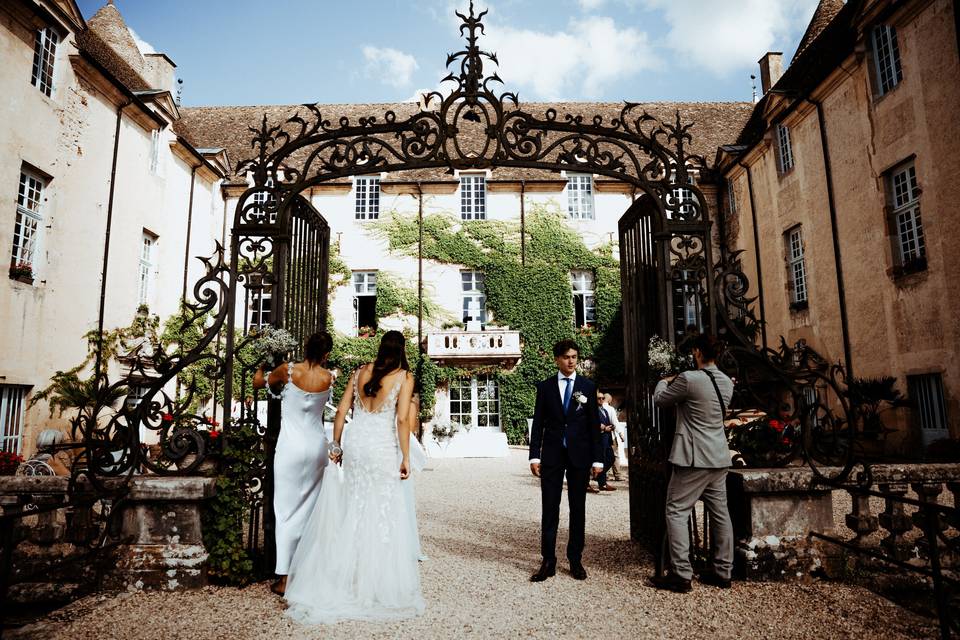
[(564, 439)]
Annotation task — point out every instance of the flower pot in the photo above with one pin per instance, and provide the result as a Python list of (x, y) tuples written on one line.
[(23, 279)]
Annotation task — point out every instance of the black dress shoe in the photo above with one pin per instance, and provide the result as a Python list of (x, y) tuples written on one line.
[(713, 579), (577, 571), (548, 569), (671, 582)]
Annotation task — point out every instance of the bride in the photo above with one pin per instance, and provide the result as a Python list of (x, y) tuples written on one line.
[(354, 560)]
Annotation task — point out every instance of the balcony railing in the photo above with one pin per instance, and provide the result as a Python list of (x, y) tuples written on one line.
[(460, 346)]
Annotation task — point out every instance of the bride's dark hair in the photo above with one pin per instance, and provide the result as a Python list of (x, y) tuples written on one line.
[(391, 355)]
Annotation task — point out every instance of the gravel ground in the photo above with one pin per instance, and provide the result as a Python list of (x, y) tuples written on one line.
[(480, 527)]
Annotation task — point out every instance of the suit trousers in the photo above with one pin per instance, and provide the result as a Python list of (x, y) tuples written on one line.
[(687, 485), (551, 492)]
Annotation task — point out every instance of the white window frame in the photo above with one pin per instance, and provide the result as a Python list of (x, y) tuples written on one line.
[(364, 284), (28, 224), (886, 57), (473, 196), (367, 203), (905, 215), (584, 290), (796, 266), (481, 409), (156, 159), (44, 60), (580, 196), (785, 159), (13, 400), (136, 392), (731, 196), (259, 314), (472, 288), (261, 198), (148, 244)]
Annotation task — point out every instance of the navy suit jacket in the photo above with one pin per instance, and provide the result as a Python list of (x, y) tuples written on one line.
[(580, 424)]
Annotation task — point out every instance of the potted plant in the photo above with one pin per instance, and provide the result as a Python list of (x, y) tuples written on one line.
[(22, 272), (764, 441), (9, 462)]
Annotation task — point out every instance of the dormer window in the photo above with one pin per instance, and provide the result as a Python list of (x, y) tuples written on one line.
[(44, 58), (784, 149), (368, 198), (473, 197), (580, 196), (886, 57)]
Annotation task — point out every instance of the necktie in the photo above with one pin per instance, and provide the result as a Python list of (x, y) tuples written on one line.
[(567, 392)]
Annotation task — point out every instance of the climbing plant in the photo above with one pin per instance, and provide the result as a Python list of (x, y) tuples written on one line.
[(533, 297)]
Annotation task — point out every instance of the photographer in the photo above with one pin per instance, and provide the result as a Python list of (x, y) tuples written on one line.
[(700, 458)]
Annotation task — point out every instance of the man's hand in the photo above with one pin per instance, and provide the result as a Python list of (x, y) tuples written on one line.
[(595, 471), (535, 468), (670, 379)]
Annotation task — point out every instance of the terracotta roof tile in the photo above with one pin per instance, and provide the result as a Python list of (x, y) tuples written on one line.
[(113, 30), (228, 127), (91, 43)]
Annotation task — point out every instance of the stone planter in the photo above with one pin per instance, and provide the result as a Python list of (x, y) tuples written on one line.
[(23, 279)]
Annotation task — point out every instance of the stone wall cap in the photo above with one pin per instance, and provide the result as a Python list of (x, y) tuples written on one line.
[(788, 479), (174, 488)]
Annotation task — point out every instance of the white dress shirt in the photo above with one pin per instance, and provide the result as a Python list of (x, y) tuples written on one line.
[(562, 387)]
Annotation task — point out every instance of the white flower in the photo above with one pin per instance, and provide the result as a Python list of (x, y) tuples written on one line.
[(580, 398)]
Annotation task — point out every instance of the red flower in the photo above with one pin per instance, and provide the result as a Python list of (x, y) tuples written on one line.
[(167, 417), (776, 425), (214, 434)]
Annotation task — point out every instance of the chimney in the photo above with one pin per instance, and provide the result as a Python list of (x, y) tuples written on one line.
[(158, 71), (771, 68)]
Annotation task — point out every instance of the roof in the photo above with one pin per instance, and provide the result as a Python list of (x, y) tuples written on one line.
[(817, 60), (825, 12), (715, 123), (113, 30), (92, 44)]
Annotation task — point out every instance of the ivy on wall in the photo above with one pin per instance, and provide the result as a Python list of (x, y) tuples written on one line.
[(534, 298)]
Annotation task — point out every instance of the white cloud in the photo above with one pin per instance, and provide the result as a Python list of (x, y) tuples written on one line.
[(581, 61), (722, 36), (144, 46), (389, 66), (590, 5)]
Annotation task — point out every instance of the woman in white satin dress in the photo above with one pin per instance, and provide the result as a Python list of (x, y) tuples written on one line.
[(301, 454), (355, 560)]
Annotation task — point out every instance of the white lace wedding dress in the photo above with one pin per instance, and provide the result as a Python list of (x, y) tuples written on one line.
[(355, 559)]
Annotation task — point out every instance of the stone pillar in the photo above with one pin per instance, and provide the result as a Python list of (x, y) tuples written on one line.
[(773, 511), (160, 517)]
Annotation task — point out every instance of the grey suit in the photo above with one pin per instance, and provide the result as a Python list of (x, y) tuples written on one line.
[(700, 457)]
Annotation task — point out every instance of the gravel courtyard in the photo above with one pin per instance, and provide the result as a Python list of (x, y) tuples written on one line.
[(480, 526)]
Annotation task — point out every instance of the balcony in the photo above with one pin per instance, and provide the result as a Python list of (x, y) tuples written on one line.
[(474, 347)]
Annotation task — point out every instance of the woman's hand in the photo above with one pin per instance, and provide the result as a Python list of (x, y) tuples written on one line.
[(404, 469), (336, 453)]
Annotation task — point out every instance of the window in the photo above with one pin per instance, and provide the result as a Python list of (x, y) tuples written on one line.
[(784, 149), (731, 197), (474, 298), (12, 400), (260, 302), (929, 406), (156, 140), (584, 298), (796, 267), (136, 393), (475, 402), (44, 56), (473, 197), (907, 229), (683, 199), (27, 225), (368, 198), (263, 201), (886, 55), (146, 267), (364, 299), (580, 196), (687, 309)]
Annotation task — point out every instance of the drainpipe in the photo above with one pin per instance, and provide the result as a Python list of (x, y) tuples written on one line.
[(186, 250), (106, 238), (420, 348), (756, 250), (523, 224), (841, 289), (722, 217)]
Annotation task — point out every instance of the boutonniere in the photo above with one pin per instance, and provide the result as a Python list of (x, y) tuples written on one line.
[(580, 398)]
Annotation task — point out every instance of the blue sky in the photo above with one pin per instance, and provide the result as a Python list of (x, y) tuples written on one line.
[(244, 52)]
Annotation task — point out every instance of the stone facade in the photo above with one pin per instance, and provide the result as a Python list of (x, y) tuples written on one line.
[(900, 313)]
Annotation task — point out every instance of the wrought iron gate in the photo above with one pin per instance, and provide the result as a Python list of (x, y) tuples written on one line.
[(280, 256)]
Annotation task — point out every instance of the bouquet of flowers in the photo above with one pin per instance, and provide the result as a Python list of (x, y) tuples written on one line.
[(9, 462), (272, 345), (663, 358)]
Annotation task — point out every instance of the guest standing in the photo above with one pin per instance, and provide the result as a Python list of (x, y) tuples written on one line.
[(700, 458), (301, 453)]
